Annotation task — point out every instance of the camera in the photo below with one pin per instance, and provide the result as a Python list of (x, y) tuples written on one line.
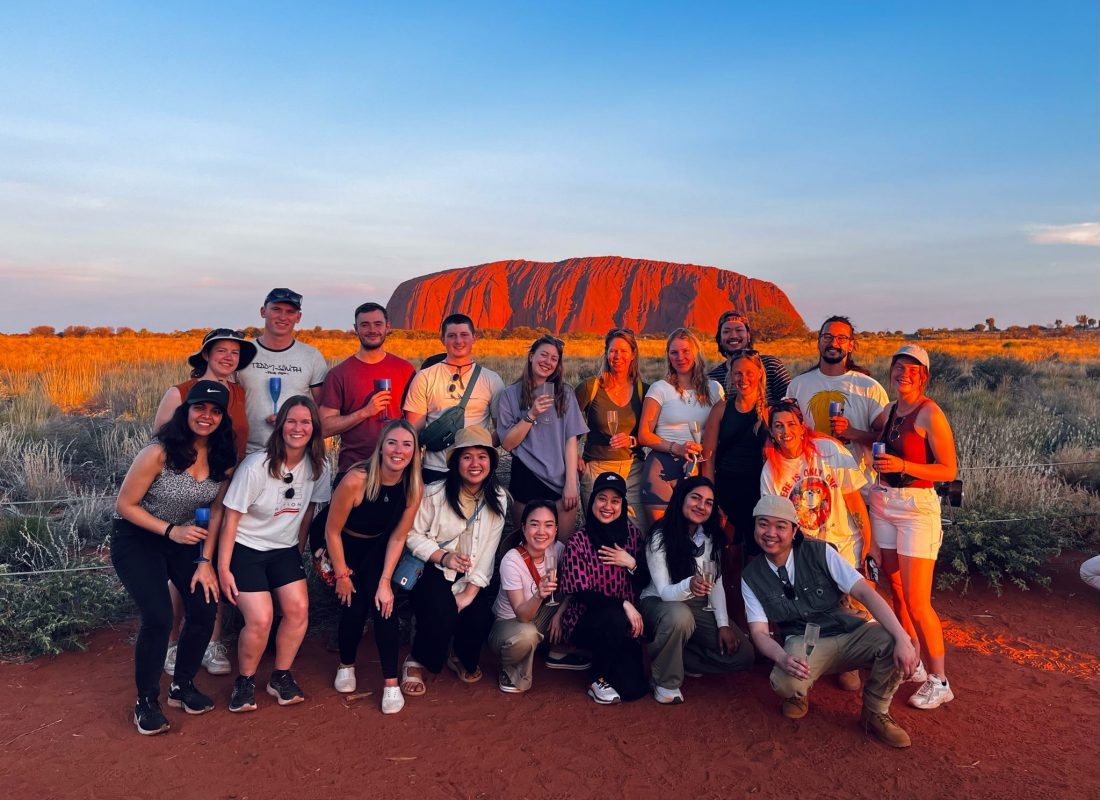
[(950, 492)]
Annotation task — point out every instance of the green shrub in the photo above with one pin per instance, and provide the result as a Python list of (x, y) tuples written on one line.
[(993, 372), (1011, 552)]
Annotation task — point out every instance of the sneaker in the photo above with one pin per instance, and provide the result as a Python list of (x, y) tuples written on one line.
[(603, 693), (392, 699), (283, 688), (796, 707), (667, 697), (345, 680), (570, 661), (190, 699), (170, 659), (933, 694), (920, 674), (505, 684), (244, 694), (884, 728), (216, 659), (849, 681), (148, 717)]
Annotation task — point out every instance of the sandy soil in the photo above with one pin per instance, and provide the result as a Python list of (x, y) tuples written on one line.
[(1024, 725)]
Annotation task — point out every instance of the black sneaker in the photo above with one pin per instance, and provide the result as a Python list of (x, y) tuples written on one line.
[(148, 717), (189, 698), (570, 661), (283, 688), (244, 694)]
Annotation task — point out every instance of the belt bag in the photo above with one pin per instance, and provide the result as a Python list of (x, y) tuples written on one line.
[(440, 433), (409, 567)]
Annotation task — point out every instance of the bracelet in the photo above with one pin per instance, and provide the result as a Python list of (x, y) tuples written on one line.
[(528, 420), (903, 465), (168, 530), (341, 575)]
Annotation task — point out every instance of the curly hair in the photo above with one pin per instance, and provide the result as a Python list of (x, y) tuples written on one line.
[(178, 441)]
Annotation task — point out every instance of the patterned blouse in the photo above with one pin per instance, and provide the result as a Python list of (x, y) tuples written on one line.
[(581, 570)]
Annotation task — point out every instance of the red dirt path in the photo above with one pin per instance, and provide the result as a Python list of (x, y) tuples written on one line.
[(1024, 725)]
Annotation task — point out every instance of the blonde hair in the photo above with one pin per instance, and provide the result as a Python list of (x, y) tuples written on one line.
[(762, 386), (372, 465), (698, 377)]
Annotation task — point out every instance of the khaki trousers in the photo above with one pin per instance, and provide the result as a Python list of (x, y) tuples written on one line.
[(515, 642)]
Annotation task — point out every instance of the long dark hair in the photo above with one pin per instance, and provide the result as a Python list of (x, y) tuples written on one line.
[(276, 445), (178, 441), (452, 484), (673, 533), (527, 396)]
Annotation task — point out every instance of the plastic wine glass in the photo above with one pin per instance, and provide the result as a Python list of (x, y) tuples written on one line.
[(383, 385), (275, 388), (202, 519), (709, 572), (809, 638), (878, 449), (550, 562), (546, 390)]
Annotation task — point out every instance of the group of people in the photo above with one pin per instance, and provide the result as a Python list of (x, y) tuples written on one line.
[(802, 493)]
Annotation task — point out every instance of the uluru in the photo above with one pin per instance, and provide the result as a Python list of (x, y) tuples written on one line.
[(584, 295)]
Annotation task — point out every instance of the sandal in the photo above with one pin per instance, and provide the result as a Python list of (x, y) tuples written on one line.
[(460, 671), (412, 685)]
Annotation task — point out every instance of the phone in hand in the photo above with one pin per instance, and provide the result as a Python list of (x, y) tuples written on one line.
[(872, 569)]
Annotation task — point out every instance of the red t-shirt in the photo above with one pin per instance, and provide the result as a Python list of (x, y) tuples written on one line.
[(348, 386)]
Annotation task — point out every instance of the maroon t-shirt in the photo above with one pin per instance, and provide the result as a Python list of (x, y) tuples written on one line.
[(348, 386)]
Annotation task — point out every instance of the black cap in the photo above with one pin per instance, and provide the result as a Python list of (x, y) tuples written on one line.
[(209, 392), (284, 296), (609, 480)]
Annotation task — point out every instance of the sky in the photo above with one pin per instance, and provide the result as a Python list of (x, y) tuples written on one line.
[(163, 165)]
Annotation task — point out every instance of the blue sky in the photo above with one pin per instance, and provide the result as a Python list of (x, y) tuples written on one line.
[(164, 164)]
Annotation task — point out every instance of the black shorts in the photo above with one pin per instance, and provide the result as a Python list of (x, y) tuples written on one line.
[(264, 570), (525, 486)]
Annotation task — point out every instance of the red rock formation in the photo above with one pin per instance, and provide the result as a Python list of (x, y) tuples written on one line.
[(583, 295)]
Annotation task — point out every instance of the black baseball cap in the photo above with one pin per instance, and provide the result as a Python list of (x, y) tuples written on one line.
[(284, 295), (209, 392), (609, 480)]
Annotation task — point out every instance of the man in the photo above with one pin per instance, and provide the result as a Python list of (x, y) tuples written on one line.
[(435, 389), (801, 581), (352, 403), (837, 378), (299, 367), (735, 334)]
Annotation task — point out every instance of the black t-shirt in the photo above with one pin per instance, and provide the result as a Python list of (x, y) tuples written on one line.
[(739, 446)]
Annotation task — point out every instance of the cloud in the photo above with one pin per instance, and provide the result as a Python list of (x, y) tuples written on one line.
[(1083, 233)]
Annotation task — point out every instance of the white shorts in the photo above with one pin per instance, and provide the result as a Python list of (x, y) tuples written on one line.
[(907, 520)]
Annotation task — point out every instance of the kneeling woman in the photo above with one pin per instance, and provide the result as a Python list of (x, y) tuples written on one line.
[(684, 606), (155, 536), (268, 509), (602, 571), (455, 532), (370, 516), (526, 582)]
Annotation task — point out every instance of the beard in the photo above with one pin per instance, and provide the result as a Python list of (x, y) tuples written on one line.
[(370, 345), (829, 358)]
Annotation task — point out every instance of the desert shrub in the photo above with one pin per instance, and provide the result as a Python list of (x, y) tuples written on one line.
[(993, 372), (1012, 552), (1078, 465), (1092, 372), (947, 370)]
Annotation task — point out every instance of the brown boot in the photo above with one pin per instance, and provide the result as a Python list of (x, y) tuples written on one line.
[(884, 728), (795, 707), (849, 681)]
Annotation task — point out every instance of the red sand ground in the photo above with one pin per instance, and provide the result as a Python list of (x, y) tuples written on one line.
[(1024, 725)]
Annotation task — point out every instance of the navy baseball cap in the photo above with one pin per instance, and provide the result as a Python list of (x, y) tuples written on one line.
[(284, 295)]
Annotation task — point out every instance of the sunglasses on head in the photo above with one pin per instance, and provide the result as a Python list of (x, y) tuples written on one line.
[(786, 404), (744, 352), (218, 333)]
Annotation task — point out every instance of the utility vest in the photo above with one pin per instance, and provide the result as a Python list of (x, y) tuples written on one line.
[(817, 597)]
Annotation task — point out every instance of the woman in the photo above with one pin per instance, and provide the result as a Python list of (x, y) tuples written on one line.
[(611, 404), (673, 415), (268, 509), (369, 518), (223, 352), (733, 444), (684, 605), (186, 468), (905, 512), (455, 532), (539, 422), (602, 571), (522, 613)]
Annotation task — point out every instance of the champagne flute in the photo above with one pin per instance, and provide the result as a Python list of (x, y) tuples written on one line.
[(550, 563), (466, 544), (275, 388), (708, 571), (202, 520), (546, 390), (809, 638), (612, 422)]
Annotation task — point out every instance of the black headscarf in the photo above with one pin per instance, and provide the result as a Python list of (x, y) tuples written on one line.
[(609, 534)]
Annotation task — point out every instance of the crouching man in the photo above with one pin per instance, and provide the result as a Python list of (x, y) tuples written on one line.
[(802, 581)]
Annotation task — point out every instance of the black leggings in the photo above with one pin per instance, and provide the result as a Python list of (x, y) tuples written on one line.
[(365, 558), (438, 621), (145, 562), (605, 633)]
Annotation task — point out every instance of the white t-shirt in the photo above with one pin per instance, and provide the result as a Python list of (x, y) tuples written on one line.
[(817, 486), (515, 575), (299, 367), (270, 520), (863, 398), (679, 410), (430, 394), (839, 570)]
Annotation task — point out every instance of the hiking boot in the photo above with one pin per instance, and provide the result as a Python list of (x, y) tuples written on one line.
[(216, 659), (170, 659), (284, 689), (933, 694), (505, 684), (190, 699), (796, 707), (148, 717), (848, 681), (244, 694), (884, 728), (603, 693), (668, 697), (570, 661)]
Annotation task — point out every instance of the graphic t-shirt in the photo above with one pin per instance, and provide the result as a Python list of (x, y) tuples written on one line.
[(298, 368), (269, 519)]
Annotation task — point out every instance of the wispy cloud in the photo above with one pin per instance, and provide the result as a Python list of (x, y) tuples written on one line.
[(1082, 233)]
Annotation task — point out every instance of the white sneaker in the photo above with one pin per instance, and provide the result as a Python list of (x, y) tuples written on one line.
[(216, 659), (345, 680), (392, 699), (603, 693), (170, 659), (933, 694), (667, 697), (920, 674)]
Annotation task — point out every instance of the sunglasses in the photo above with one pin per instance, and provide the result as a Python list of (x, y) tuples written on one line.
[(786, 404), (288, 479), (219, 333), (744, 352)]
